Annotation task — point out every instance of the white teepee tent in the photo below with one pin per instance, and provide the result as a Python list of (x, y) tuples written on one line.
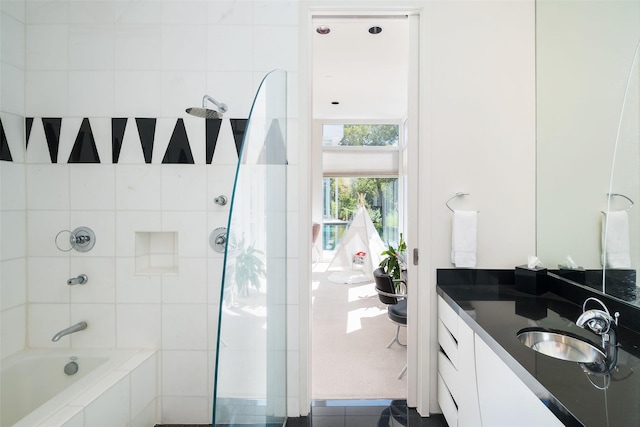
[(360, 236)]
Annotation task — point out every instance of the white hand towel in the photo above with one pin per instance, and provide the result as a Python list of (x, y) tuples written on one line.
[(615, 239), (464, 238)]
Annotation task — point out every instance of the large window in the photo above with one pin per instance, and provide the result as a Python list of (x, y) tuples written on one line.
[(360, 135), (360, 158), (340, 202)]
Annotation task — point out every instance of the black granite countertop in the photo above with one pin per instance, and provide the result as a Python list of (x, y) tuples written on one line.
[(497, 312)]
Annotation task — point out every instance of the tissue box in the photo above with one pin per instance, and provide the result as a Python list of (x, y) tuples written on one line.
[(531, 280)]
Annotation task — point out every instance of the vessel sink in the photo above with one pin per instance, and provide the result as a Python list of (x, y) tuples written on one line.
[(561, 345)]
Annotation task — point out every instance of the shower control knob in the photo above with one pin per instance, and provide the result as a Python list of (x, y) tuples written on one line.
[(221, 200)]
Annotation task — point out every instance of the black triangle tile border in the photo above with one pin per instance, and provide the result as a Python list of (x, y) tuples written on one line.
[(5, 152), (52, 133), (212, 133), (146, 130), (239, 127), (179, 150), (85, 149), (118, 126)]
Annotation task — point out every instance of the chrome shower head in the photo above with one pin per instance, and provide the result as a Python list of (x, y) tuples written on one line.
[(204, 113), (207, 113)]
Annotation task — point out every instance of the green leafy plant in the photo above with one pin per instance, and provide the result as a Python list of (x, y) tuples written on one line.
[(249, 267), (391, 264)]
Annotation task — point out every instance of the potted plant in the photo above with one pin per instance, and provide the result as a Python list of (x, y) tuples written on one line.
[(249, 267), (391, 264)]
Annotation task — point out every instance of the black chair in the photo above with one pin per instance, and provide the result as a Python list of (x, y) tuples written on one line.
[(396, 302)]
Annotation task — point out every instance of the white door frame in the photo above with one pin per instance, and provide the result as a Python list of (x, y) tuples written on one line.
[(421, 376)]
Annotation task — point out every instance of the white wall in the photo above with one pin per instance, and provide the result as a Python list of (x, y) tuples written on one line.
[(477, 136)]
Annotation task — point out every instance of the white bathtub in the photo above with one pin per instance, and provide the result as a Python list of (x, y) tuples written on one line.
[(35, 391)]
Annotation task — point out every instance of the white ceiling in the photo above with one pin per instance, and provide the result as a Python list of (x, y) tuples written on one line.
[(365, 73)]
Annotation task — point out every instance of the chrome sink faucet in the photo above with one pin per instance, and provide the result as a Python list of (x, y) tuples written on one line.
[(71, 329), (598, 321), (601, 322)]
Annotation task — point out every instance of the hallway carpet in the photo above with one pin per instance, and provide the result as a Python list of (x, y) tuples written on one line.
[(350, 333)]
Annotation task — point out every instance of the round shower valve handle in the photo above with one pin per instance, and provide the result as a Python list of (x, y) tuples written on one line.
[(218, 239), (82, 239)]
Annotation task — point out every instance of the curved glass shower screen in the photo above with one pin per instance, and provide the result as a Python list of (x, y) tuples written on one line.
[(250, 380)]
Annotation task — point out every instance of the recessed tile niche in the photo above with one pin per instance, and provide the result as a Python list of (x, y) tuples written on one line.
[(156, 252)]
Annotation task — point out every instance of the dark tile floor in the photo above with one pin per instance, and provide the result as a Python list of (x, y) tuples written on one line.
[(364, 413)]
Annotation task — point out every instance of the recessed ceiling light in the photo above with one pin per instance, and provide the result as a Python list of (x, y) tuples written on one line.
[(375, 30), (323, 29)]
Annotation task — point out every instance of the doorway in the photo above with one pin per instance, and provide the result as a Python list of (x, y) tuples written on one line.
[(360, 79)]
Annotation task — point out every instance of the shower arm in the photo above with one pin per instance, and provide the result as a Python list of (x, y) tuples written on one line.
[(222, 106)]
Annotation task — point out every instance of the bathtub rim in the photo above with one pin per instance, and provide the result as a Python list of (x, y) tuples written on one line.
[(78, 395)]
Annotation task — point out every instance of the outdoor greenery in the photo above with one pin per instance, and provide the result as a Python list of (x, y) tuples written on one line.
[(370, 135), (249, 267), (391, 264), (379, 192)]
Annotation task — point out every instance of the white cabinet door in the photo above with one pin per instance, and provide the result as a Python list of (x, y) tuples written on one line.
[(505, 401), (468, 409)]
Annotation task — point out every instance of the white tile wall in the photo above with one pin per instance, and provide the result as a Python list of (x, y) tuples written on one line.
[(137, 93), (44, 321), (47, 47), (101, 284), (139, 326), (191, 410), (131, 59), (101, 329), (230, 12), (12, 226), (13, 338), (12, 84), (13, 272), (13, 42), (46, 95), (13, 291), (86, 98), (184, 326), (48, 280), (182, 373), (91, 187), (183, 47), (138, 187)]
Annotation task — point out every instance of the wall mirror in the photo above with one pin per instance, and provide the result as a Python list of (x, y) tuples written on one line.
[(588, 141)]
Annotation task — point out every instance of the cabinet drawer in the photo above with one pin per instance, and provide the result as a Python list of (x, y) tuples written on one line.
[(447, 404), (448, 343), (449, 374), (448, 316)]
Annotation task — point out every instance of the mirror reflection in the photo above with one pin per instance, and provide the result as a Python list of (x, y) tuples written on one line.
[(588, 138)]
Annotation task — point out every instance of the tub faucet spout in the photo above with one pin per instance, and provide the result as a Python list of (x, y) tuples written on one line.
[(71, 329)]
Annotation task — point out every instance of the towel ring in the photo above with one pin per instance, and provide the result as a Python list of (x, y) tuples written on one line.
[(459, 194), (624, 197)]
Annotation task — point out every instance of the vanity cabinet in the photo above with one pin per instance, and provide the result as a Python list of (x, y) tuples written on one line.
[(456, 369), (475, 386)]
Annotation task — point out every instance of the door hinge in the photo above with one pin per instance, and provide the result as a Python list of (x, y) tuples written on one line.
[(415, 256)]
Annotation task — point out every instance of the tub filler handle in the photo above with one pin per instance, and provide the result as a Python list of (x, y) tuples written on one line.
[(80, 280)]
